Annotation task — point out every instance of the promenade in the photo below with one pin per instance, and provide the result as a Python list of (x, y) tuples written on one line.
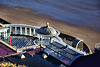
[(5, 50)]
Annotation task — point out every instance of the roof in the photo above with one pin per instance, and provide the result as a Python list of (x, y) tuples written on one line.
[(47, 30), (62, 53), (92, 60), (30, 61)]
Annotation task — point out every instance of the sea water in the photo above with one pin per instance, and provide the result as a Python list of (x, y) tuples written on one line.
[(75, 12)]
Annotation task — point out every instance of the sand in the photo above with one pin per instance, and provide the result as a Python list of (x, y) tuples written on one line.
[(20, 15)]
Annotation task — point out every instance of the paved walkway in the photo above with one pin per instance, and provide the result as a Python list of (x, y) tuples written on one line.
[(4, 50)]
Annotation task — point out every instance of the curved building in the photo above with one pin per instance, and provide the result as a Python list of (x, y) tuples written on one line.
[(12, 35)]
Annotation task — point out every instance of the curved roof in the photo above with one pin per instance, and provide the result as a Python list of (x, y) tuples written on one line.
[(47, 30)]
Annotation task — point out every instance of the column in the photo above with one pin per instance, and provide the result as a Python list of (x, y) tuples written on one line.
[(15, 30), (21, 30), (10, 29), (33, 31), (25, 30), (30, 32), (6, 35)]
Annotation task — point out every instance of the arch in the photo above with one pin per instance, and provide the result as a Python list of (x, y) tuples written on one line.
[(77, 43), (80, 45)]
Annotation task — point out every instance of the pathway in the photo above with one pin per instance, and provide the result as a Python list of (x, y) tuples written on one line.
[(4, 50)]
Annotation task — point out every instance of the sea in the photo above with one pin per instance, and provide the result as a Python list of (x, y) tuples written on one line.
[(75, 12)]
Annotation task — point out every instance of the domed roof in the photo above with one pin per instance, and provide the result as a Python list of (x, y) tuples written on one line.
[(47, 30)]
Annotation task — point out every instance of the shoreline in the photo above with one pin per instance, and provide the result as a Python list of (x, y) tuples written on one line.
[(20, 15)]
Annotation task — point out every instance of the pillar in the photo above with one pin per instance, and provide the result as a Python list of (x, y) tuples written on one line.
[(33, 31), (21, 30), (30, 32), (6, 35), (15, 30), (10, 29), (25, 30)]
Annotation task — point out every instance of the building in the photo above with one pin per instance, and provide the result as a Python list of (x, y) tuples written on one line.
[(21, 37)]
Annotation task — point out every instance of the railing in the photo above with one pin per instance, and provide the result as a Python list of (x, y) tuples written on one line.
[(21, 29), (19, 42)]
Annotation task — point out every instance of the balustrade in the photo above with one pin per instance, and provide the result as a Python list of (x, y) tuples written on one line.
[(21, 29)]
